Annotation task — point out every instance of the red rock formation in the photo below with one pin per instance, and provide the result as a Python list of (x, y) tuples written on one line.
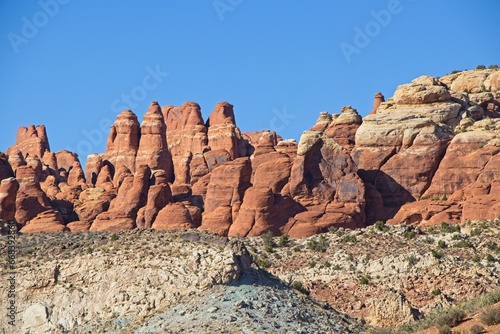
[(16, 159), (50, 166), (93, 167), (159, 196), (31, 140), (343, 127), (378, 99), (30, 199), (123, 141), (324, 181), (225, 190), (152, 149), (186, 137), (222, 130), (5, 168), (177, 216), (132, 195), (8, 192), (46, 221)]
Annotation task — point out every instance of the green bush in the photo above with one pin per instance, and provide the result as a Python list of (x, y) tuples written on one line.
[(436, 254), (349, 239), (451, 318), (320, 245), (445, 329), (463, 244), (268, 241), (409, 234), (441, 244), (411, 260), (490, 316), (491, 245), (480, 67), (297, 285), (284, 240), (380, 226), (476, 329), (490, 258), (475, 232), (263, 262), (436, 292), (364, 280), (448, 228)]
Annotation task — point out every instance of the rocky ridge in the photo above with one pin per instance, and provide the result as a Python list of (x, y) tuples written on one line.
[(426, 155), (156, 282)]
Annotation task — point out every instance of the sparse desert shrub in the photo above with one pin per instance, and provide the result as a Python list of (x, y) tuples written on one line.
[(436, 292), (491, 245), (480, 67), (476, 329), (490, 258), (297, 285), (490, 316), (475, 232), (463, 244), (445, 329), (284, 240), (113, 237), (381, 226), (411, 260), (364, 280), (409, 234), (349, 239), (268, 240), (476, 258), (263, 262), (320, 245), (452, 318), (441, 244), (436, 254), (312, 264), (448, 228)]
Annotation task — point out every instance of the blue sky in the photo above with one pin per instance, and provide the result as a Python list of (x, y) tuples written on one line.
[(72, 65)]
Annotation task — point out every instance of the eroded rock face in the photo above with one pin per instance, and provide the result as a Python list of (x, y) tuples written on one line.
[(30, 199), (436, 138), (324, 181), (224, 196), (31, 140), (8, 192), (46, 221), (123, 141), (222, 130), (399, 148), (153, 149)]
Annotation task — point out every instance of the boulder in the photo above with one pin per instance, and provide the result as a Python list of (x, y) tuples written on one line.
[(46, 221), (177, 216)]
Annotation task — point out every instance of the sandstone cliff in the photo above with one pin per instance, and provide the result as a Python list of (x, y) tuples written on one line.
[(426, 155)]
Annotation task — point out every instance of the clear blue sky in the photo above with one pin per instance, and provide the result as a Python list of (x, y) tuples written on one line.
[(280, 63)]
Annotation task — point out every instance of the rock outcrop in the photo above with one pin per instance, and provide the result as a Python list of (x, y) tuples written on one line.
[(428, 154)]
